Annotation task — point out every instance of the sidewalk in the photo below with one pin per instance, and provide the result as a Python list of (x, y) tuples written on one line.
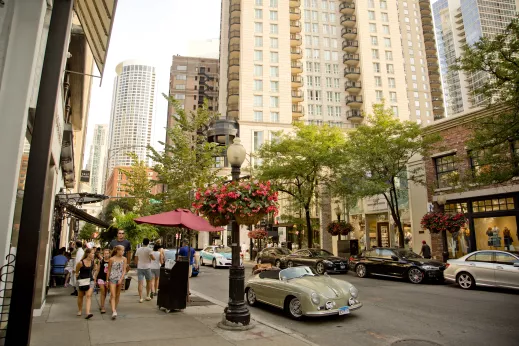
[(144, 324)]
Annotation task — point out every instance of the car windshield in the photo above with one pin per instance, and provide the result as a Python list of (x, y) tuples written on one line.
[(321, 253), (296, 272), (283, 251), (223, 249), (407, 254)]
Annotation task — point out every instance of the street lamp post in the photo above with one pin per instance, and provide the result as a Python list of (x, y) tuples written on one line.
[(237, 314), (441, 200), (338, 212)]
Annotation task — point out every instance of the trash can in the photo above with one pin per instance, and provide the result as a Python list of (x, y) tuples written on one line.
[(173, 286)]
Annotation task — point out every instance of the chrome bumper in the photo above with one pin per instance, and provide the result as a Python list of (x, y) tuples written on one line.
[(333, 311)]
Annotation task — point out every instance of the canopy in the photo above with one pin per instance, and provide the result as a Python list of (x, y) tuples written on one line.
[(179, 218)]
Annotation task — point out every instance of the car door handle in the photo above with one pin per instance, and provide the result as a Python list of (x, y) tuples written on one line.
[(499, 267)]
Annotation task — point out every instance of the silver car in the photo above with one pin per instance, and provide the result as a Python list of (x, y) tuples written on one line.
[(485, 268)]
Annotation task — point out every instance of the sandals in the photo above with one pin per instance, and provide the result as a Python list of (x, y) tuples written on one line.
[(102, 310), (79, 313), (89, 316)]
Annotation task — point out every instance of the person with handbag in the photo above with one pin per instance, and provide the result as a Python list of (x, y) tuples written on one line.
[(116, 271), (85, 282)]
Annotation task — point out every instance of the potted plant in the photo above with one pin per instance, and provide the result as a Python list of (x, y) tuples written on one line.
[(340, 228)]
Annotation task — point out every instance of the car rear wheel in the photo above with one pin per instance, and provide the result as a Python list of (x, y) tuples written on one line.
[(251, 296), (294, 308), (415, 275), (290, 264), (361, 271), (202, 261), (466, 281), (278, 263), (214, 263), (319, 267)]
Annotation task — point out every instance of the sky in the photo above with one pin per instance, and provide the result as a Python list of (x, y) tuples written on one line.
[(153, 30)]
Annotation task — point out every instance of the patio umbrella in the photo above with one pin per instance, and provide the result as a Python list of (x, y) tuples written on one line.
[(183, 218)]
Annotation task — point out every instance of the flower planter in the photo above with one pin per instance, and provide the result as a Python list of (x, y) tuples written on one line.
[(340, 228), (441, 222), (217, 220)]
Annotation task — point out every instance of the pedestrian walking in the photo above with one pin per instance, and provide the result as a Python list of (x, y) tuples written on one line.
[(143, 259), (102, 280), (155, 268), (116, 271), (127, 248), (85, 279), (426, 250), (188, 252), (77, 258)]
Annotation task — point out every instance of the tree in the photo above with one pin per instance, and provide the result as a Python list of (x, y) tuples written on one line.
[(139, 184), (135, 233), (298, 162), (124, 204), (87, 232), (377, 154), (188, 159), (494, 142)]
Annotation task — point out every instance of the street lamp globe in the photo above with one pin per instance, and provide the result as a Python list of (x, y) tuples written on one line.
[(338, 210), (236, 153)]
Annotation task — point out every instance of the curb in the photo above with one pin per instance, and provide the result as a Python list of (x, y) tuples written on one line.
[(283, 330)]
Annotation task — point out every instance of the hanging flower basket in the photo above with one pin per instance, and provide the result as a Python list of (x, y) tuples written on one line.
[(247, 201), (218, 220), (259, 233), (441, 222), (340, 228)]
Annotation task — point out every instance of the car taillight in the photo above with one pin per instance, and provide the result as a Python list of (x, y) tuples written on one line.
[(351, 258), (447, 265)]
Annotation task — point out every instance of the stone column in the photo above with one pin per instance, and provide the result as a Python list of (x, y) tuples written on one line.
[(325, 238)]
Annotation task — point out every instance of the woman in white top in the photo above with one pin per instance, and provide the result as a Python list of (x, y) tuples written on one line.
[(158, 254)]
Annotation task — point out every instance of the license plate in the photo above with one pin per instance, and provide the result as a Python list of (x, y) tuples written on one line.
[(344, 310), (343, 266)]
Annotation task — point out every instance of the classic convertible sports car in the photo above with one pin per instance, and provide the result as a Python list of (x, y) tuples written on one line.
[(300, 291)]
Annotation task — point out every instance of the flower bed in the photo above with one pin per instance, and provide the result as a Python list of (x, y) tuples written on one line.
[(340, 228), (440, 222)]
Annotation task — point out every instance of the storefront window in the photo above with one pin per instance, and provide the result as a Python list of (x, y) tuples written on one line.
[(493, 205), (496, 233), (458, 243), (453, 208)]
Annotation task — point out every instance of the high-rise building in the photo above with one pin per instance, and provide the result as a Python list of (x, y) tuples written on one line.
[(131, 119), (325, 62), (97, 160), (193, 80), (460, 22)]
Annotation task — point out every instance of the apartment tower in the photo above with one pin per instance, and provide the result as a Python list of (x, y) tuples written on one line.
[(131, 118), (97, 160), (460, 22)]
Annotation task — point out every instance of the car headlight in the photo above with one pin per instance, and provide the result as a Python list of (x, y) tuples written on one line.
[(328, 262), (354, 291), (315, 298), (428, 267)]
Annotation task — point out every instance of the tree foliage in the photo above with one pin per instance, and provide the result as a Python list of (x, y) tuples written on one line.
[(187, 161), (124, 204), (135, 233), (87, 232), (376, 158), (495, 136), (139, 184), (296, 163)]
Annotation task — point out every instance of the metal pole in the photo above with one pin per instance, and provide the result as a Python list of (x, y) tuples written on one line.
[(24, 281), (236, 310)]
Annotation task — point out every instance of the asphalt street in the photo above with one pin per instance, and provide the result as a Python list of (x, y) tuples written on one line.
[(396, 313)]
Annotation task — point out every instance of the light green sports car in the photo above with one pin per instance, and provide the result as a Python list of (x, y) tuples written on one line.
[(300, 291)]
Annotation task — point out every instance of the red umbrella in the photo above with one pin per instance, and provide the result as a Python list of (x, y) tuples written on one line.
[(179, 218)]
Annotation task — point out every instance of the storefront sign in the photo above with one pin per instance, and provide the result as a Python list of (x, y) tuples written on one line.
[(375, 204), (85, 176), (282, 233)]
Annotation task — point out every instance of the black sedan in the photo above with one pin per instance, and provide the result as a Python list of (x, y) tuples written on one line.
[(322, 260), (272, 255), (399, 263)]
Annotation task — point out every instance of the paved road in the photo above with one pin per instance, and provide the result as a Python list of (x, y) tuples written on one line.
[(395, 311)]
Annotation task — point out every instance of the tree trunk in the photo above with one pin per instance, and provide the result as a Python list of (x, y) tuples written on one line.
[(396, 215), (309, 226)]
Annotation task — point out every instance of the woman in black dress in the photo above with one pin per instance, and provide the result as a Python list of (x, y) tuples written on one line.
[(85, 276)]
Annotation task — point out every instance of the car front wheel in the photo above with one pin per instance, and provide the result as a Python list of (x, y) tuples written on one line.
[(319, 267), (361, 271), (214, 263), (294, 308), (415, 275), (465, 281)]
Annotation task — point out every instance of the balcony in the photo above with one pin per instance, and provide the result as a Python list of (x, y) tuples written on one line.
[(437, 101), (297, 81), (350, 46), (426, 18), (354, 101), (438, 110), (436, 92), (352, 87), (233, 93), (433, 66), (234, 65), (297, 111), (297, 96), (427, 26), (234, 80), (428, 33), (296, 67), (233, 111), (295, 13), (295, 3), (431, 57), (435, 83), (234, 36), (424, 3), (235, 22), (349, 33), (424, 10), (235, 10), (296, 53), (352, 73), (354, 115), (295, 27), (234, 51), (346, 8), (295, 40), (351, 59), (348, 21), (434, 74)]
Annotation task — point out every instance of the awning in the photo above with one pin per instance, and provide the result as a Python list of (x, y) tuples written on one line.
[(96, 17), (79, 198), (84, 216)]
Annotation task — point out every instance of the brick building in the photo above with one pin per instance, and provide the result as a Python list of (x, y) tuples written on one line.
[(115, 185), (492, 211)]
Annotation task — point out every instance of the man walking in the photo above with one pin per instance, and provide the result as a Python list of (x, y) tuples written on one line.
[(127, 248), (79, 255), (188, 251), (143, 258), (426, 250)]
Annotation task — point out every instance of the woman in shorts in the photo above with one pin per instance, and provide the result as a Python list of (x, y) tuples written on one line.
[(85, 272), (155, 268), (101, 278), (116, 271)]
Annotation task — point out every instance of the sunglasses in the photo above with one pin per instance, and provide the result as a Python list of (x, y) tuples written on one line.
[(120, 233)]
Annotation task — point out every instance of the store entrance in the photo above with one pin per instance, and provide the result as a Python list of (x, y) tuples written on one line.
[(383, 234)]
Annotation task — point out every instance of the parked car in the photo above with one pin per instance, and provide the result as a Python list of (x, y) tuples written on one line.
[(300, 291), (395, 262), (322, 260), (485, 268), (217, 256), (272, 255)]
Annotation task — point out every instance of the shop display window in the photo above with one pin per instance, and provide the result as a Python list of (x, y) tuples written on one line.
[(458, 243), (452, 208), (493, 205), (496, 233)]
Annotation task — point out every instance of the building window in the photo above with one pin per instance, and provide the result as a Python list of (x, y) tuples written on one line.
[(258, 28), (371, 15), (445, 168), (274, 86), (258, 2), (258, 70), (180, 97), (391, 82), (274, 71), (392, 96), (181, 77), (385, 17), (258, 14), (258, 116), (274, 57), (385, 29), (274, 117), (258, 55), (181, 68), (387, 42), (273, 15), (395, 110), (389, 55), (376, 67), (493, 205), (258, 85), (274, 42), (379, 95), (374, 54), (383, 4), (273, 28), (258, 41), (258, 101), (273, 3), (180, 87), (374, 41), (390, 69), (378, 81), (372, 27), (274, 101)]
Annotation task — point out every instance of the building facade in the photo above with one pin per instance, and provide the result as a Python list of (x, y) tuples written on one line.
[(460, 22), (115, 184), (131, 119), (97, 160)]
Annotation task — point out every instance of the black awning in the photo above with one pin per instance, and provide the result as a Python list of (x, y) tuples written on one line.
[(83, 215)]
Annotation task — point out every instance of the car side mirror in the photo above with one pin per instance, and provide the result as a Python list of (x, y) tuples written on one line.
[(394, 258), (516, 264)]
